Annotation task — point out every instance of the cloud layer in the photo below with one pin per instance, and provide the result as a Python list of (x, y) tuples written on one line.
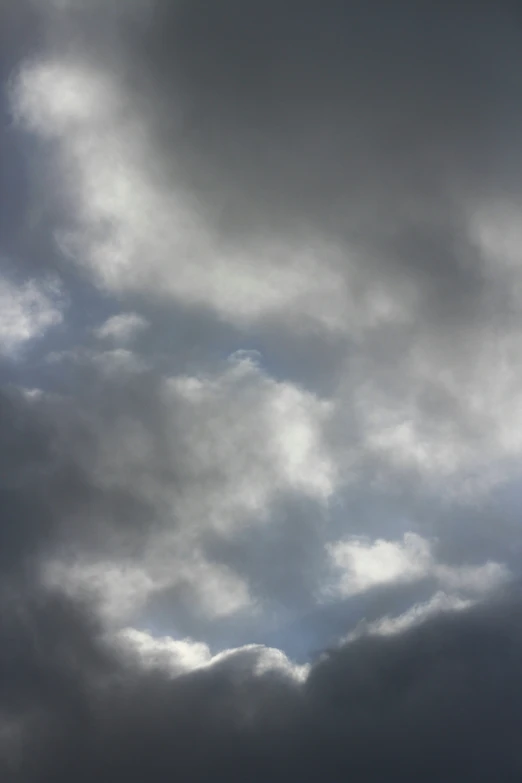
[(261, 397)]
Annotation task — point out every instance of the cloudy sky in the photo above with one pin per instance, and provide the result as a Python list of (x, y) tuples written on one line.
[(260, 390)]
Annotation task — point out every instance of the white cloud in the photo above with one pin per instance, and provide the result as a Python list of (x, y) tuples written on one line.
[(364, 564), (178, 656), (119, 589), (386, 626), (230, 444), (165, 653), (216, 590), (208, 456), (121, 328), (27, 311), (136, 233), (262, 436), (154, 240), (453, 420), (122, 589)]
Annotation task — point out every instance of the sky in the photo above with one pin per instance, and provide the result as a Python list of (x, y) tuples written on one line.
[(260, 391)]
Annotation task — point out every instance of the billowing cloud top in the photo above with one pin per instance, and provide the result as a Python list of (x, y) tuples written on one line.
[(261, 390)]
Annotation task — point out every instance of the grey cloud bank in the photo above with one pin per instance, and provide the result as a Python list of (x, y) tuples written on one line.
[(438, 702)]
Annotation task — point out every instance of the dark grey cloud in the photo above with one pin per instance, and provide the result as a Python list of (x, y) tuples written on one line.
[(370, 122), (25, 448), (439, 702), (52, 503)]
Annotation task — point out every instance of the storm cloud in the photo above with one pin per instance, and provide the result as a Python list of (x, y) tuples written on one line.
[(261, 390), (441, 701)]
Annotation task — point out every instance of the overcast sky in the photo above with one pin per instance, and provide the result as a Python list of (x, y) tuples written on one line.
[(260, 391)]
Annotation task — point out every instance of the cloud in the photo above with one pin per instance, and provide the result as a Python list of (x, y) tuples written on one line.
[(27, 311), (104, 156), (170, 656), (283, 410), (148, 472), (166, 654), (242, 436), (249, 711), (111, 362), (182, 187), (365, 564), (440, 602), (122, 590), (187, 189), (121, 328)]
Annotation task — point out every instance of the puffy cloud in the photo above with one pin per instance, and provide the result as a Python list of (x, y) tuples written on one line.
[(368, 564), (174, 657), (122, 590), (166, 654), (365, 564), (27, 311), (148, 471), (252, 409), (104, 156), (211, 450)]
